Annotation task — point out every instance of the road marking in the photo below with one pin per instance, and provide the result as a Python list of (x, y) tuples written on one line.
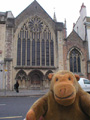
[(2, 104), (11, 117)]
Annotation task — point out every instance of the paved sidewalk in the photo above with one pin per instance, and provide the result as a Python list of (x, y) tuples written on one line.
[(23, 93)]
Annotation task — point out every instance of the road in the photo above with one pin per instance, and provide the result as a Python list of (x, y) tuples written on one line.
[(15, 108)]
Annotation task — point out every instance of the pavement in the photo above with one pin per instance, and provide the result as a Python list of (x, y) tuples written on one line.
[(23, 93)]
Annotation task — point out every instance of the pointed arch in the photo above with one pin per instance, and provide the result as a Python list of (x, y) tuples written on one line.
[(35, 45), (46, 74), (75, 61), (47, 81), (21, 75), (36, 78)]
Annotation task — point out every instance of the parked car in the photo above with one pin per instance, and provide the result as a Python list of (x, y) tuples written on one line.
[(85, 84)]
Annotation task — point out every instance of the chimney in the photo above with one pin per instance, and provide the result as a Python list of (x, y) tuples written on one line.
[(73, 25), (82, 6), (82, 11)]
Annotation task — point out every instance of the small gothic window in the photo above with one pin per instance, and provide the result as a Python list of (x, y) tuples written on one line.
[(75, 64)]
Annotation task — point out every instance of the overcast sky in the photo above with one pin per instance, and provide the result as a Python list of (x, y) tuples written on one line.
[(64, 9)]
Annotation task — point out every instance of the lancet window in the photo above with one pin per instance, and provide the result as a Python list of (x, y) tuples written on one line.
[(75, 61)]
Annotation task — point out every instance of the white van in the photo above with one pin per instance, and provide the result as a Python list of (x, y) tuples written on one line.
[(85, 84)]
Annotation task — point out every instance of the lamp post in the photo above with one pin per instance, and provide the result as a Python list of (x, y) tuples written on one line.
[(1, 73), (5, 80)]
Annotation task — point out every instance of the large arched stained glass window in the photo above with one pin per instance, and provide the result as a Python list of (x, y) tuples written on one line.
[(75, 63), (35, 46)]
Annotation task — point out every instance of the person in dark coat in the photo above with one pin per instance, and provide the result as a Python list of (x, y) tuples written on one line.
[(16, 86)]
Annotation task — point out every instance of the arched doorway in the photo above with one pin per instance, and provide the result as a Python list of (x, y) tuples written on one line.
[(36, 79), (47, 81), (21, 77)]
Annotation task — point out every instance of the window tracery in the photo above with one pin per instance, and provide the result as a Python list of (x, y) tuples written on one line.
[(34, 47), (21, 75), (75, 63), (35, 24)]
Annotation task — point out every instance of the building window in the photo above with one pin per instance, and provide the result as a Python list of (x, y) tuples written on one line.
[(34, 45), (75, 64), (33, 52), (43, 53), (28, 52), (52, 53), (19, 52), (23, 51), (38, 52), (47, 53)]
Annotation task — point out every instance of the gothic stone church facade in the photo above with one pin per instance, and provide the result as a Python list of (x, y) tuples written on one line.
[(32, 45)]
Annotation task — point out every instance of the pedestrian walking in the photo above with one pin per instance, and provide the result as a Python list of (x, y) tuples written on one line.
[(16, 86)]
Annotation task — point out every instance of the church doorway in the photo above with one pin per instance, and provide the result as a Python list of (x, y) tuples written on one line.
[(36, 79), (21, 77)]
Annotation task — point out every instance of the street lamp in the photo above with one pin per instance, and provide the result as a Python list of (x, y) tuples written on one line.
[(1, 73)]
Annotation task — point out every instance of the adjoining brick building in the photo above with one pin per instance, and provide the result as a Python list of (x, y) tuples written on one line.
[(82, 28), (32, 45)]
